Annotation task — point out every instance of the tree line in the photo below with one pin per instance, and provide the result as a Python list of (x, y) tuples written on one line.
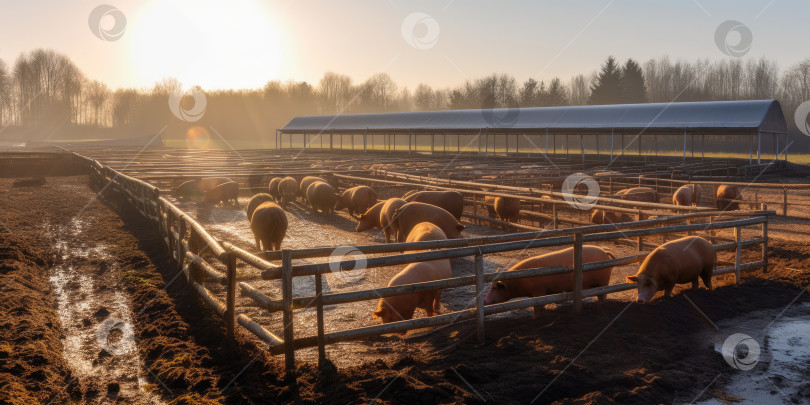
[(44, 89)]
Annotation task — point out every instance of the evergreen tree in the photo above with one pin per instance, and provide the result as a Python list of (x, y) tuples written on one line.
[(556, 95), (634, 89), (607, 89)]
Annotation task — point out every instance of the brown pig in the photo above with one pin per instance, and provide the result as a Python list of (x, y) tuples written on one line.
[(321, 196), (371, 218), (452, 201), (490, 201), (208, 183), (224, 193), (686, 195), (288, 189), (726, 196), (410, 214), (609, 217), (402, 307), (187, 189), (306, 181), (501, 291), (387, 216), (425, 231), (274, 188), (356, 199), (680, 261), (508, 209), (255, 201), (640, 194), (269, 225)]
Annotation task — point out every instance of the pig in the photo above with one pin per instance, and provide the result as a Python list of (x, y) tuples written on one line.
[(187, 189), (412, 213), (224, 193), (356, 199), (501, 291), (490, 201), (425, 231), (452, 201), (255, 201), (640, 194), (274, 188), (305, 182), (609, 217), (288, 189), (269, 225), (679, 261), (402, 307), (321, 196), (508, 209), (208, 183), (410, 193), (687, 195), (726, 196), (387, 216), (371, 218)]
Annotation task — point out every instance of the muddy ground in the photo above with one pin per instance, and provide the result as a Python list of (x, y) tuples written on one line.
[(614, 352)]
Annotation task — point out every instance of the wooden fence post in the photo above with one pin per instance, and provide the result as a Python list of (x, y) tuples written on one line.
[(169, 232), (578, 272), (738, 239), (640, 238), (475, 208), (230, 299), (181, 251), (479, 294), (784, 201), (319, 313), (287, 318), (554, 213), (765, 245)]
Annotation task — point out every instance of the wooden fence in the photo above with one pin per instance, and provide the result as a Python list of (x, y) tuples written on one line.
[(196, 252)]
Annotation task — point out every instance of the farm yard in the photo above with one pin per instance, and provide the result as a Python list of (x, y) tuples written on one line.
[(97, 248)]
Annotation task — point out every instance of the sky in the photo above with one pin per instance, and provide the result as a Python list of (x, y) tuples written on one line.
[(245, 43)]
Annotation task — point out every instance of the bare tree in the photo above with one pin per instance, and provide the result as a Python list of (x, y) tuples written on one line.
[(97, 94), (334, 92)]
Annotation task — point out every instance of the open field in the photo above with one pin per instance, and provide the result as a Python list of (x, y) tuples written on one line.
[(96, 259)]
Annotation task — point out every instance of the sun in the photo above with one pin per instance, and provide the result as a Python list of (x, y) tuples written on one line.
[(213, 44)]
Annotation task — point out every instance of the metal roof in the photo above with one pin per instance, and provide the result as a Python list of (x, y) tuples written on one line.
[(710, 116)]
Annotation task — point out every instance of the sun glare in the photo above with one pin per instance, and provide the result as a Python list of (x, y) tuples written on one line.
[(212, 44)]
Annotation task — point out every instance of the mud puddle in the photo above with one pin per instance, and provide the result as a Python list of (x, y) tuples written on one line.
[(99, 344), (769, 356)]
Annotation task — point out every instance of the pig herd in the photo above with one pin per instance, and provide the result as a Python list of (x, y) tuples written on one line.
[(435, 215)]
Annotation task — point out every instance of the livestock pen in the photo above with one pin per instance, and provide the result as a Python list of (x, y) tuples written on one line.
[(201, 257)]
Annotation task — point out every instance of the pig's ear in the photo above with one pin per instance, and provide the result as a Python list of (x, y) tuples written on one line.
[(377, 314), (632, 279), (363, 216)]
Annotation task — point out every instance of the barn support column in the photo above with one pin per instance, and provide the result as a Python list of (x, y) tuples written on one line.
[(684, 144), (546, 141), (479, 143), (750, 148), (703, 146), (597, 146), (776, 146), (410, 135), (365, 136), (759, 146), (582, 148), (331, 140), (432, 143), (611, 145), (786, 146)]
